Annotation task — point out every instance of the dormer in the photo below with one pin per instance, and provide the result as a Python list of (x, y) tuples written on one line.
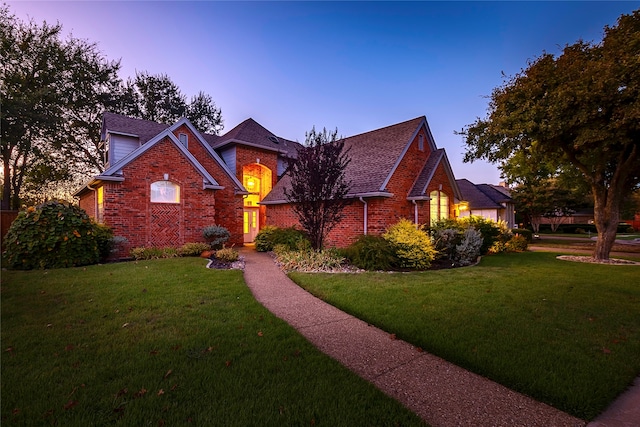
[(117, 145)]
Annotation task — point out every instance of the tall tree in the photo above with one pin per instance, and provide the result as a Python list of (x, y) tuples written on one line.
[(159, 99), (318, 184), (580, 113)]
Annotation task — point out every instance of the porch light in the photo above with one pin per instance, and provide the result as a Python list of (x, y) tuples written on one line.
[(251, 183), (463, 205)]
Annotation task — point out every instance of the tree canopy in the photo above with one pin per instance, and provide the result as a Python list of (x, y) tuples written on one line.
[(318, 184), (577, 113), (54, 92)]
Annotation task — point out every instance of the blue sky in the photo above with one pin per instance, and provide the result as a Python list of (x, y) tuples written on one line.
[(354, 66)]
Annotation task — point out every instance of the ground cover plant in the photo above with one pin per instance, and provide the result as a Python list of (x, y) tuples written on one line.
[(166, 342), (565, 333)]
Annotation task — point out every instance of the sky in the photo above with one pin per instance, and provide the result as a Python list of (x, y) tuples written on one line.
[(350, 66)]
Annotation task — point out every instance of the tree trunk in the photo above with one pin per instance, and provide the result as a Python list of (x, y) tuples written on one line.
[(606, 212), (6, 188)]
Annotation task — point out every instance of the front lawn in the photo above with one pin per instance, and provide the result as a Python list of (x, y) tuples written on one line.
[(565, 333), (166, 342)]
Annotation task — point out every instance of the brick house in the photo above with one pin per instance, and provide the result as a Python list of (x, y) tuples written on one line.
[(488, 201), (163, 184)]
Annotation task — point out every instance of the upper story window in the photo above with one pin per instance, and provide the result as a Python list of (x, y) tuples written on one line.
[(421, 142), (165, 192), (184, 139)]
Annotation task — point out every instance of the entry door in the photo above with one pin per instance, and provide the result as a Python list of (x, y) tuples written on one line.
[(250, 224)]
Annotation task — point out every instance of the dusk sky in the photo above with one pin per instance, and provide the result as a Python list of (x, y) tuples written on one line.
[(354, 66)]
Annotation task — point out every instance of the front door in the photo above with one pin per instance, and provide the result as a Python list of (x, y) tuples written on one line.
[(250, 224)]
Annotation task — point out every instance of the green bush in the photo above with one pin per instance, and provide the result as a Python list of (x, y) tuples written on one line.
[(227, 254), (524, 232), (468, 250), (270, 236), (491, 231), (193, 248), (445, 241), (104, 239), (216, 235), (412, 245), (154, 253), (53, 235), (518, 243), (372, 253), (309, 261)]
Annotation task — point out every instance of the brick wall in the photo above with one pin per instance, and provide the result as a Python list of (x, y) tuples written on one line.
[(130, 213), (382, 212)]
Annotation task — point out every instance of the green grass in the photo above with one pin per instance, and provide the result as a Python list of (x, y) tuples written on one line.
[(166, 342), (565, 333)]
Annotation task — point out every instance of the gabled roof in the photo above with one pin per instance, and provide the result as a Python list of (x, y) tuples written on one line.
[(143, 129), (482, 196), (426, 175), (209, 182), (375, 156), (254, 134)]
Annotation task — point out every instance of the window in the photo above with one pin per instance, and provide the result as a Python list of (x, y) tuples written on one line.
[(421, 142), (100, 205), (165, 192), (438, 206), (184, 139)]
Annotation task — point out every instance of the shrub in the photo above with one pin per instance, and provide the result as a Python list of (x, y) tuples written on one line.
[(468, 250), (153, 253), (227, 254), (104, 239), (412, 246), (524, 232), (216, 235), (517, 243), (372, 253), (270, 236), (193, 248), (309, 261), (52, 235), (491, 231), (445, 241)]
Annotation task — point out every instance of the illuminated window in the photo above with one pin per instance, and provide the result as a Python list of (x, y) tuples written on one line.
[(100, 205), (438, 206), (165, 192)]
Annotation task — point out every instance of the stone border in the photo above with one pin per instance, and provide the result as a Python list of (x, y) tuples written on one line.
[(591, 260)]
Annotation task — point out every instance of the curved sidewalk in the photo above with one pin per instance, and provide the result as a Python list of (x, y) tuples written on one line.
[(441, 393)]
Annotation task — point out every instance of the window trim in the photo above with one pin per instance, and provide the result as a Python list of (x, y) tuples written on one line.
[(173, 197)]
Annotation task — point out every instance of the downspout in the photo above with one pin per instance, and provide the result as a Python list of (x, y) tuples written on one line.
[(415, 212), (366, 214)]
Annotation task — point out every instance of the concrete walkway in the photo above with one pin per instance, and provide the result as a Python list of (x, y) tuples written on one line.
[(441, 393)]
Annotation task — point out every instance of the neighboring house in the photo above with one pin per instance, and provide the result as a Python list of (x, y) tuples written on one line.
[(163, 184), (486, 200), (395, 172)]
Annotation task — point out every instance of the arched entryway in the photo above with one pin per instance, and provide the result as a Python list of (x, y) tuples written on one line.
[(257, 179)]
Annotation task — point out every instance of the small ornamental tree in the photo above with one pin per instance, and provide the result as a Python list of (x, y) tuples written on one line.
[(318, 184)]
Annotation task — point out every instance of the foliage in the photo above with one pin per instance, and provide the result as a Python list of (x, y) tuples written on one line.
[(158, 98), (193, 249), (526, 233), (577, 114), (53, 235), (104, 239), (50, 91), (517, 243), (270, 236), (326, 260), (445, 238), (468, 250), (372, 253), (318, 184), (145, 253), (227, 254), (413, 246), (491, 231), (217, 235)]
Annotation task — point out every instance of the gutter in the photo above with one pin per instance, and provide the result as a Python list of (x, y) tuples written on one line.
[(366, 215)]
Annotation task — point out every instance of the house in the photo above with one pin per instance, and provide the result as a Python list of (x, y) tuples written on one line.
[(395, 172), (163, 184), (486, 200)]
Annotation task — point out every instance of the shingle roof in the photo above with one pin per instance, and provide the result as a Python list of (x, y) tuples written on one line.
[(481, 196), (143, 129), (374, 157), (253, 133), (420, 186)]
